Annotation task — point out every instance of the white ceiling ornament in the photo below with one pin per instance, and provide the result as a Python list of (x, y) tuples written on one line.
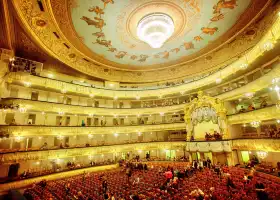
[(155, 29)]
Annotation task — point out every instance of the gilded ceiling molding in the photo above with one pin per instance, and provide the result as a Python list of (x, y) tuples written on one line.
[(58, 8), (269, 145), (5, 187), (39, 106), (42, 32), (267, 113), (68, 131), (88, 151)]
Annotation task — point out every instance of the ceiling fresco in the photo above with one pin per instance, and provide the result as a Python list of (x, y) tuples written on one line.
[(109, 27)]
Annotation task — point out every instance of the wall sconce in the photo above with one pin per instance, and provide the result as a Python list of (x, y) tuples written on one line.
[(255, 124), (27, 84)]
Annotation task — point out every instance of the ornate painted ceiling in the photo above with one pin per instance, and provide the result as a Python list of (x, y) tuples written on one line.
[(109, 28), (98, 37)]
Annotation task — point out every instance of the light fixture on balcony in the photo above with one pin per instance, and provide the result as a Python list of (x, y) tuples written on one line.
[(61, 113), (255, 124), (262, 154), (27, 84), (275, 80), (244, 66), (155, 29), (276, 88), (249, 95), (59, 137), (22, 110), (18, 138), (218, 80), (268, 46)]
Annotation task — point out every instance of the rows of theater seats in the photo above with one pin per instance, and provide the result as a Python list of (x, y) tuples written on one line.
[(150, 182)]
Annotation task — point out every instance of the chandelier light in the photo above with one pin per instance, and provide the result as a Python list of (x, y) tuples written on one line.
[(255, 124), (268, 46), (262, 154), (155, 29), (218, 80), (244, 66)]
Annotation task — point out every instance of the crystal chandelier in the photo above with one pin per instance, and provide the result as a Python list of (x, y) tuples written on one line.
[(155, 29), (262, 154)]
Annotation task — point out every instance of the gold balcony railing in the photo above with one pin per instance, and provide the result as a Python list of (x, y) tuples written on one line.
[(88, 151), (266, 113), (40, 106), (31, 130)]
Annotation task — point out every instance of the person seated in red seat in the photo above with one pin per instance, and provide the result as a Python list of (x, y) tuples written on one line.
[(168, 175), (225, 169), (213, 195), (197, 194), (134, 197)]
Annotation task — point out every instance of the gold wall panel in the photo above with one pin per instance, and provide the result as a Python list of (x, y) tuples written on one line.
[(47, 130)]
